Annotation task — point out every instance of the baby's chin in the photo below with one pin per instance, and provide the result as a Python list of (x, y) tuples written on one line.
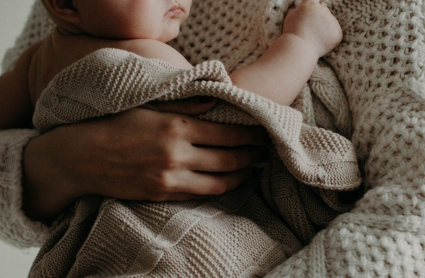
[(165, 38)]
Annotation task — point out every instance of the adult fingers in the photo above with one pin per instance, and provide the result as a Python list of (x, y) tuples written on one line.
[(200, 132), (223, 159), (190, 106), (178, 197), (202, 183), (225, 135)]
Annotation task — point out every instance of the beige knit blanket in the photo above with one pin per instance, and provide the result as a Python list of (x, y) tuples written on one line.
[(380, 65), (240, 233)]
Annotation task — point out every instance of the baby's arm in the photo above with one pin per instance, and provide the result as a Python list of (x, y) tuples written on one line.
[(15, 103), (310, 31)]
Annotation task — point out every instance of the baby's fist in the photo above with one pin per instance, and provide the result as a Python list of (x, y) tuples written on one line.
[(314, 23)]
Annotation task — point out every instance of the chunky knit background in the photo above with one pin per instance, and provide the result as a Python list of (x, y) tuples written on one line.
[(380, 66)]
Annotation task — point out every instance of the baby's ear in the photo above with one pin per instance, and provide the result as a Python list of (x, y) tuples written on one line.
[(63, 10)]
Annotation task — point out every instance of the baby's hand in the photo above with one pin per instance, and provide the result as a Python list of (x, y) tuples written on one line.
[(314, 23)]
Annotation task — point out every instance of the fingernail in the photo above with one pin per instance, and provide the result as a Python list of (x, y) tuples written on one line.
[(206, 99)]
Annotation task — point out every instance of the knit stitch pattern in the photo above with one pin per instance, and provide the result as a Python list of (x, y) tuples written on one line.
[(15, 227), (12, 218), (110, 81), (380, 67)]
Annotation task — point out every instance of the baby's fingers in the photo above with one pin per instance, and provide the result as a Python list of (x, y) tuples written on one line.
[(309, 2), (298, 2)]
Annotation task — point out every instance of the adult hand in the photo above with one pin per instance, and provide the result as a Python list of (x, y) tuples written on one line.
[(140, 154)]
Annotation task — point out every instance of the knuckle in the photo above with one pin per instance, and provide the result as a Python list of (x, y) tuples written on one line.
[(170, 158), (161, 185), (166, 159), (164, 184), (174, 128)]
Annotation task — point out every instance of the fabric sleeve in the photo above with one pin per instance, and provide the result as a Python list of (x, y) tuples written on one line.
[(16, 228)]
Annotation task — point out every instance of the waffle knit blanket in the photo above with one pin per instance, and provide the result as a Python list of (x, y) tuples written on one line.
[(157, 235), (380, 65)]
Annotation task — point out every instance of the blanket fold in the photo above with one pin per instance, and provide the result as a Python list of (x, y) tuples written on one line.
[(244, 232), (379, 66), (112, 80)]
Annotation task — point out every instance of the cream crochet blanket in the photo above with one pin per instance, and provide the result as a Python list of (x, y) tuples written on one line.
[(381, 68)]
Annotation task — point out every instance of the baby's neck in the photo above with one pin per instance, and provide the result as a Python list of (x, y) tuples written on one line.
[(69, 31)]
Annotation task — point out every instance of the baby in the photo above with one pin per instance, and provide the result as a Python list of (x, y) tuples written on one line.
[(144, 27)]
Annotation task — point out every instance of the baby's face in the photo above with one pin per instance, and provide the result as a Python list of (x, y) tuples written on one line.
[(133, 19)]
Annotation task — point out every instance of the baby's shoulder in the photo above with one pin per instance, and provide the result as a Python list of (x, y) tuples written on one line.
[(154, 49), (27, 57)]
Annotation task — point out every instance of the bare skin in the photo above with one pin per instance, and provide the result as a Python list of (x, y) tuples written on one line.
[(310, 31), (195, 159), (90, 158)]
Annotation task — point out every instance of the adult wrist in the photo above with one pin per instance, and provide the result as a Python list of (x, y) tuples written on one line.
[(45, 193), (18, 228)]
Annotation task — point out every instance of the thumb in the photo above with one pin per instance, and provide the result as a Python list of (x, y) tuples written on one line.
[(190, 106)]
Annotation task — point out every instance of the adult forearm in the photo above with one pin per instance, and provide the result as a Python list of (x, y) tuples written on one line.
[(281, 72), (45, 194)]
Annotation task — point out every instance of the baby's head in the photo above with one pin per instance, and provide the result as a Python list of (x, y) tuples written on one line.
[(120, 19)]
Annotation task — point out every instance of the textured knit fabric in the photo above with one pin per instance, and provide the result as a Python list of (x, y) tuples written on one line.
[(380, 66), (12, 218), (15, 227), (159, 234)]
